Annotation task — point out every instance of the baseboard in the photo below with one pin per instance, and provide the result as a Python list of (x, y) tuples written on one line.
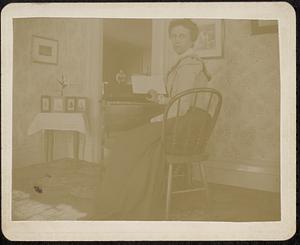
[(27, 155), (32, 152), (264, 176)]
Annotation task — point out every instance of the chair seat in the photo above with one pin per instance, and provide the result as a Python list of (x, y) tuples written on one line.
[(182, 159)]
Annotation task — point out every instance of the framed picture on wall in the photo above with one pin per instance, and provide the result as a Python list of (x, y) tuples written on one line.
[(81, 104), (70, 104), (58, 104), (44, 50), (264, 26), (210, 38), (45, 103)]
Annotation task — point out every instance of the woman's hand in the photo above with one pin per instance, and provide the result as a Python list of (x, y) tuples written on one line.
[(153, 96)]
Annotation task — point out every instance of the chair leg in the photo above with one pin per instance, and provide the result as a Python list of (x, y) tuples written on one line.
[(205, 185), (169, 190), (189, 175)]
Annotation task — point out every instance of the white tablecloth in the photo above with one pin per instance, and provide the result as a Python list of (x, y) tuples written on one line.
[(59, 121)]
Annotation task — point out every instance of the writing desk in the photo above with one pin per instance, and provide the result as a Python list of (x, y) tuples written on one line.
[(49, 122), (124, 115)]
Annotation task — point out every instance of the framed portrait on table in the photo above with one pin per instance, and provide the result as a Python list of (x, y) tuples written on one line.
[(70, 104), (81, 104), (45, 103), (58, 104)]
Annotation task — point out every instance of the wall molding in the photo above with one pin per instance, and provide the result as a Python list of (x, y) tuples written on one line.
[(247, 165), (32, 150), (263, 175), (27, 154)]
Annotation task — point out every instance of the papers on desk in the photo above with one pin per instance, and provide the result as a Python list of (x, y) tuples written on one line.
[(141, 84), (158, 118)]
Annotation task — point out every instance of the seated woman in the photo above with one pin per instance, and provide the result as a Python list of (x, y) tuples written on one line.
[(133, 186)]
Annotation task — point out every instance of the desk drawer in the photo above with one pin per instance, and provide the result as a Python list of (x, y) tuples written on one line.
[(119, 122)]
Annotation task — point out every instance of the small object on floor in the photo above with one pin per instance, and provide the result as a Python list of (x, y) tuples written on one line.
[(38, 189)]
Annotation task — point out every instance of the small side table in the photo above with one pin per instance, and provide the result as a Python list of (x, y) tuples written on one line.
[(50, 122)]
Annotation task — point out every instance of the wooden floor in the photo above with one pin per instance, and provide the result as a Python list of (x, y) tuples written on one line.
[(65, 190)]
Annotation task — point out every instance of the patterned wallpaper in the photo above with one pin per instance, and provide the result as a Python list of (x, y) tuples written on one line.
[(76, 58), (248, 76)]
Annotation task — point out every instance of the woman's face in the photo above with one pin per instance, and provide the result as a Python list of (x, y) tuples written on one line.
[(181, 39)]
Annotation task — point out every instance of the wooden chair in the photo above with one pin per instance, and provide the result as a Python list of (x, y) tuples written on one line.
[(184, 136)]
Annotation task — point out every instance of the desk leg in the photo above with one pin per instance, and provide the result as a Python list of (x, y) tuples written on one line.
[(48, 145), (83, 147), (76, 145), (45, 144), (102, 143)]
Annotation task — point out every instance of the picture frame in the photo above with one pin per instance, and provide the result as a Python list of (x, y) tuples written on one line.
[(81, 104), (45, 103), (210, 39), (58, 104), (44, 50), (264, 26), (70, 104)]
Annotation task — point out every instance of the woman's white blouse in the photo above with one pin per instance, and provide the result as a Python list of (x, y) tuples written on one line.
[(188, 73)]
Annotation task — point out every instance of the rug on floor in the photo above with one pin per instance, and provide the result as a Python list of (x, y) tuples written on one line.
[(66, 190), (65, 186)]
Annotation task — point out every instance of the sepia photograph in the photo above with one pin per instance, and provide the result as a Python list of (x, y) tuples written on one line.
[(70, 104), (81, 104), (45, 103), (184, 121), (58, 104)]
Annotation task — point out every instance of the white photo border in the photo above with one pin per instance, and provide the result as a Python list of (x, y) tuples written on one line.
[(162, 230)]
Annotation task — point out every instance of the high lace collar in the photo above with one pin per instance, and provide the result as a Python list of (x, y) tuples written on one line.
[(188, 52)]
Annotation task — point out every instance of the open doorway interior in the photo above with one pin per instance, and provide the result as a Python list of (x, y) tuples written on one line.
[(126, 49)]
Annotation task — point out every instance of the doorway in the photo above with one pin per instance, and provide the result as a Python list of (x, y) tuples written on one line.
[(127, 45)]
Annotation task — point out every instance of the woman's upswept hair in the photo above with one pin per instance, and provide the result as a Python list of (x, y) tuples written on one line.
[(187, 23)]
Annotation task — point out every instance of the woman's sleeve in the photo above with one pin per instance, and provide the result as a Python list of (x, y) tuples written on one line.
[(188, 77), (185, 78)]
